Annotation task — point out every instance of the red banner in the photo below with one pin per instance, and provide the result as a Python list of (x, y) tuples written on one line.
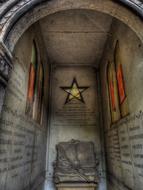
[(120, 80)]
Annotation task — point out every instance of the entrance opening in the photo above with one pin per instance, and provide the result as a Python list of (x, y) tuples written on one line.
[(77, 74)]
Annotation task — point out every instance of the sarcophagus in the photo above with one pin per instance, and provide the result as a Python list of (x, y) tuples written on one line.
[(76, 165)]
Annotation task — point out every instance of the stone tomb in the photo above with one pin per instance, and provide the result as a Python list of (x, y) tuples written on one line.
[(76, 166)]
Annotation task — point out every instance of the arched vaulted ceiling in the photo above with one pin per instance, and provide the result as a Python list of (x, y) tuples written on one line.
[(76, 36), (16, 16)]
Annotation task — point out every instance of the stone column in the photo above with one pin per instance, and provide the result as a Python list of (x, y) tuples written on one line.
[(5, 68)]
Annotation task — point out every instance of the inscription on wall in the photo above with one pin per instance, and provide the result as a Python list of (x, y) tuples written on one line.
[(113, 152), (22, 142), (130, 133)]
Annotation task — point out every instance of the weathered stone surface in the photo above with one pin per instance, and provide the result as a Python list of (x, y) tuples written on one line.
[(128, 129), (22, 140), (4, 67), (76, 162)]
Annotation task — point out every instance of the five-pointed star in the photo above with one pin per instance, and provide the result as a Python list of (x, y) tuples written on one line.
[(74, 91)]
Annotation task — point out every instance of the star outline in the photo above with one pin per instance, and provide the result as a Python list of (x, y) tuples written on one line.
[(81, 89)]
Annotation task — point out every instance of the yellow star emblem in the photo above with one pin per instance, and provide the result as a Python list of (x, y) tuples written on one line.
[(74, 91)]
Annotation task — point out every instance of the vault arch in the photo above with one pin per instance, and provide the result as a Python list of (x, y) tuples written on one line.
[(18, 16)]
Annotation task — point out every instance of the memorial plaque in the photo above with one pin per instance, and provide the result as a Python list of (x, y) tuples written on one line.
[(136, 143), (113, 153), (130, 134), (126, 156)]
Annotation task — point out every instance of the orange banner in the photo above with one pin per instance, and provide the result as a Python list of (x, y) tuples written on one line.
[(121, 88)]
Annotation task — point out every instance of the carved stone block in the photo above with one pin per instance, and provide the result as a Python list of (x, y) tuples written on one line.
[(76, 162)]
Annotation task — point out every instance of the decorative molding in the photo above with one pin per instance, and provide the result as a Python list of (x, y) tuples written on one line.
[(135, 5), (5, 65), (12, 11), (5, 68)]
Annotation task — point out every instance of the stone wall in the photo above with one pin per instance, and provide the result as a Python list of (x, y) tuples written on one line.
[(124, 139), (23, 140)]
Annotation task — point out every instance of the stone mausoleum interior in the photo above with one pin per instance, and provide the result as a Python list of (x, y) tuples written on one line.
[(71, 95)]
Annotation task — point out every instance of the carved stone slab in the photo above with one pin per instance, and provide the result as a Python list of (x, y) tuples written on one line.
[(76, 162)]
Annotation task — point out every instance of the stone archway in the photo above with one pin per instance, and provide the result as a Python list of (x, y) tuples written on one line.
[(22, 15), (17, 16)]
